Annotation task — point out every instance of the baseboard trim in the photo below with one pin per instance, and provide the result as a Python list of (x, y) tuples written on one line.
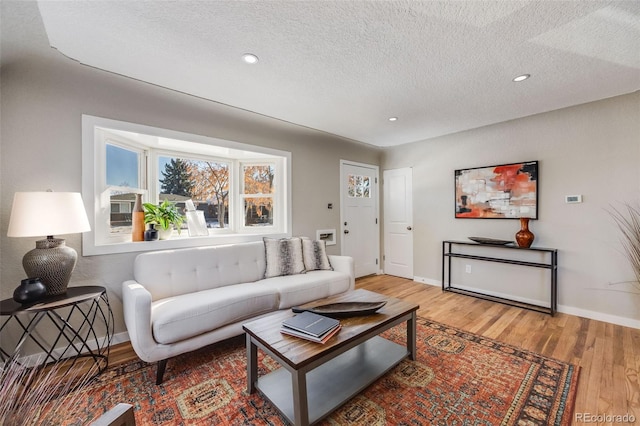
[(120, 338), (570, 310), (600, 316), (36, 358), (428, 281)]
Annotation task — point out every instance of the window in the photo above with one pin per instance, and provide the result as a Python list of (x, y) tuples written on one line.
[(359, 186), (241, 190), (258, 190)]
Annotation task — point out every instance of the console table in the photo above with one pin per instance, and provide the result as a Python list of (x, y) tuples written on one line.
[(448, 252), (78, 329)]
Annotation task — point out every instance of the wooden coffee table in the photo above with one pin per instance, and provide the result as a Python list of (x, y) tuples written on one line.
[(318, 378)]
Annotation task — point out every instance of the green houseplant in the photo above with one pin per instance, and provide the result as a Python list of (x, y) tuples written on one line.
[(165, 216)]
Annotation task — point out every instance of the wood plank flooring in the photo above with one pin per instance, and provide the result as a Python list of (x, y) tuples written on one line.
[(609, 355)]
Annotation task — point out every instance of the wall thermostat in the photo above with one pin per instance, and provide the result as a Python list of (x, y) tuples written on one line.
[(573, 199)]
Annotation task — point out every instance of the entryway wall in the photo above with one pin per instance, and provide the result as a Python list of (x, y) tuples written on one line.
[(591, 149)]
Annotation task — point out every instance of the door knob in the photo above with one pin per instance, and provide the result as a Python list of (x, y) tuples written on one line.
[(409, 228), (346, 231)]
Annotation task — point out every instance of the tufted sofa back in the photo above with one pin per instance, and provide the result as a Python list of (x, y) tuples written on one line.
[(174, 272)]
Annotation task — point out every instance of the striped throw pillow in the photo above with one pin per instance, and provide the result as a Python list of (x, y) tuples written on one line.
[(315, 256), (284, 257)]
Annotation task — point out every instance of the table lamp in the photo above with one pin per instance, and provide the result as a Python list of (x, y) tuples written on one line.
[(36, 214)]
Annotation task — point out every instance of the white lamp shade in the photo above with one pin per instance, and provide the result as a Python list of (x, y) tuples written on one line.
[(36, 214)]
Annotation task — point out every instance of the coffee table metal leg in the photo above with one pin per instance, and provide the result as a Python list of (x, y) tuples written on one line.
[(300, 403), (252, 365), (411, 336)]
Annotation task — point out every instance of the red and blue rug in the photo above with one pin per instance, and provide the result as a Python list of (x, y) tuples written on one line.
[(459, 378)]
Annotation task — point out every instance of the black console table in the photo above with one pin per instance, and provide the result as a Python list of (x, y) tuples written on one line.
[(79, 327), (448, 253)]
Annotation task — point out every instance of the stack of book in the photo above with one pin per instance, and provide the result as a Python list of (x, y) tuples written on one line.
[(311, 326)]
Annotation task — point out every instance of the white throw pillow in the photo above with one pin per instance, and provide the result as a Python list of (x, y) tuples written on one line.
[(284, 257), (315, 256)]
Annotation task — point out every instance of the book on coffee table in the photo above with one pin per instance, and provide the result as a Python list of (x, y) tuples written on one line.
[(321, 339), (311, 326)]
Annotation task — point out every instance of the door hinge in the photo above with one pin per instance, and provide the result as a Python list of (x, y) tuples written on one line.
[(376, 180), (376, 261), (376, 220)]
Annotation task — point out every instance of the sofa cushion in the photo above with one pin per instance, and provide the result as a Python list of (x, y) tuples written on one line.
[(314, 254), (171, 273), (283, 257), (181, 317), (298, 289)]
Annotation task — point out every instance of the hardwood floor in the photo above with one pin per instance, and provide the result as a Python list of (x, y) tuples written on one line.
[(609, 355)]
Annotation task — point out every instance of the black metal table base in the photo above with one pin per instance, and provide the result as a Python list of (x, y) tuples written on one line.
[(448, 254), (83, 323)]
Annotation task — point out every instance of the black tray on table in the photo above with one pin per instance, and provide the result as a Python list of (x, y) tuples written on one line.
[(343, 309), (491, 241)]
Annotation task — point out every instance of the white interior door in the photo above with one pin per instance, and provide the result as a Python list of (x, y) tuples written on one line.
[(398, 222), (359, 216)]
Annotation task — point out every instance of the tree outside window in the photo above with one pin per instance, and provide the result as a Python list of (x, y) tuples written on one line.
[(258, 190), (211, 186), (176, 178)]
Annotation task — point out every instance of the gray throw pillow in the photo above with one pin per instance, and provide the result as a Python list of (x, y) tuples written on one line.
[(315, 256), (284, 257)]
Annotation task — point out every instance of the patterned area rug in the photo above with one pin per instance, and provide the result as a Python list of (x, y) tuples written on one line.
[(459, 378)]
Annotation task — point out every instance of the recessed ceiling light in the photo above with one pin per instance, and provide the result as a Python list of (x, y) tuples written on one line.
[(393, 118), (522, 77), (250, 58)]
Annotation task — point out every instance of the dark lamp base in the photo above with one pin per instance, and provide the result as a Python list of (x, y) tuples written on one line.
[(53, 262)]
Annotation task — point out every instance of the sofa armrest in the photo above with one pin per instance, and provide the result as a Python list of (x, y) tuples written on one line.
[(136, 306), (344, 264)]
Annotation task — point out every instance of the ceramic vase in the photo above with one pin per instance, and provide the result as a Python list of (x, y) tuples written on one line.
[(524, 237), (30, 290), (151, 234), (137, 220), (165, 234)]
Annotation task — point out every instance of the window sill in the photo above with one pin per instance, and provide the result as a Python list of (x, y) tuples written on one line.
[(177, 242)]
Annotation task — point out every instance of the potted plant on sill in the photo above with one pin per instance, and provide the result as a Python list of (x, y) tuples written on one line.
[(165, 217)]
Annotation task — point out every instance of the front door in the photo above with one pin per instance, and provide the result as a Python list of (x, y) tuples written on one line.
[(359, 216), (398, 222)]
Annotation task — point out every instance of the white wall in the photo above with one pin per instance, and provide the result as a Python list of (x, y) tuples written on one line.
[(44, 94), (591, 149)]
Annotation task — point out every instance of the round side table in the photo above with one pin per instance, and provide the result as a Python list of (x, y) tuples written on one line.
[(82, 324)]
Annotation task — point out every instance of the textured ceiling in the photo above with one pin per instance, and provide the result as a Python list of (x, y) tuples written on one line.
[(345, 67)]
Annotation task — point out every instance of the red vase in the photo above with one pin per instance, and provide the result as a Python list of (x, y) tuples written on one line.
[(524, 237)]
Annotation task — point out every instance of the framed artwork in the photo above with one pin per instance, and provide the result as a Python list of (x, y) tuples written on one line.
[(507, 191)]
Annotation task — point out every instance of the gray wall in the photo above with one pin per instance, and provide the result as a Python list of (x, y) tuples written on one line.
[(591, 149), (44, 94)]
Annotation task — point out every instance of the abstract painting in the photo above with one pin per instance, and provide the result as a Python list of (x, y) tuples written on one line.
[(507, 191)]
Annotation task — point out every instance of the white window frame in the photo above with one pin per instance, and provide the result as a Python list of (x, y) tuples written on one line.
[(101, 222), (96, 195), (155, 177), (275, 196)]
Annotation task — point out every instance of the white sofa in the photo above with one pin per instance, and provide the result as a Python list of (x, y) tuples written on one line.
[(181, 300)]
